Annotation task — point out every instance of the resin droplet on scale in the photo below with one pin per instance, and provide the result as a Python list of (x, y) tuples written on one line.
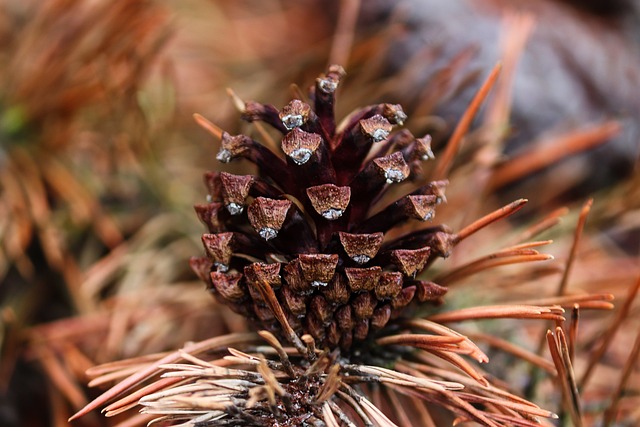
[(224, 156), (332, 214), (220, 267), (327, 85), (394, 175), (267, 233), (361, 259), (379, 135), (292, 121), (235, 208), (300, 156)]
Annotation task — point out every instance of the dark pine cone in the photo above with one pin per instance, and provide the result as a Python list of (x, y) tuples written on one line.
[(296, 249)]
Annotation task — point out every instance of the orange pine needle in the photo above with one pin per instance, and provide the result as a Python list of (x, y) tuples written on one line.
[(542, 155), (208, 126), (574, 247), (499, 312), (610, 413), (608, 336), (446, 160), (494, 216)]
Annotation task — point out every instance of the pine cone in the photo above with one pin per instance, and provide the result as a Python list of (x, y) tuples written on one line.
[(296, 248)]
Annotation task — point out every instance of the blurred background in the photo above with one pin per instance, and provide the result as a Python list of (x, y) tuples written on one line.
[(101, 160)]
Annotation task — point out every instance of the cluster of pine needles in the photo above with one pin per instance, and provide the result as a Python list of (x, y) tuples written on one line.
[(477, 358)]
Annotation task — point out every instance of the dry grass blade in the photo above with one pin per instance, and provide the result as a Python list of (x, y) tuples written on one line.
[(446, 159)]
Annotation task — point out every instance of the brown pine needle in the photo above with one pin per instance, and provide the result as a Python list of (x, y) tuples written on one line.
[(418, 340), (582, 219), (113, 376), (560, 356), (499, 312), (152, 369), (527, 245), (610, 333), (270, 297), (567, 301), (515, 350), (351, 399), (543, 155), (240, 105), (284, 358), (208, 126), (546, 223), (345, 32), (610, 413), (132, 399), (60, 377), (398, 408), (109, 367), (518, 407), (237, 102), (517, 27), (576, 410), (297, 93), (136, 420), (573, 331), (446, 159), (331, 384), (491, 261), (425, 419), (494, 216), (462, 364), (328, 417), (427, 325)]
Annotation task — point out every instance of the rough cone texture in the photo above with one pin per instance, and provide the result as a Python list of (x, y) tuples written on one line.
[(303, 229)]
